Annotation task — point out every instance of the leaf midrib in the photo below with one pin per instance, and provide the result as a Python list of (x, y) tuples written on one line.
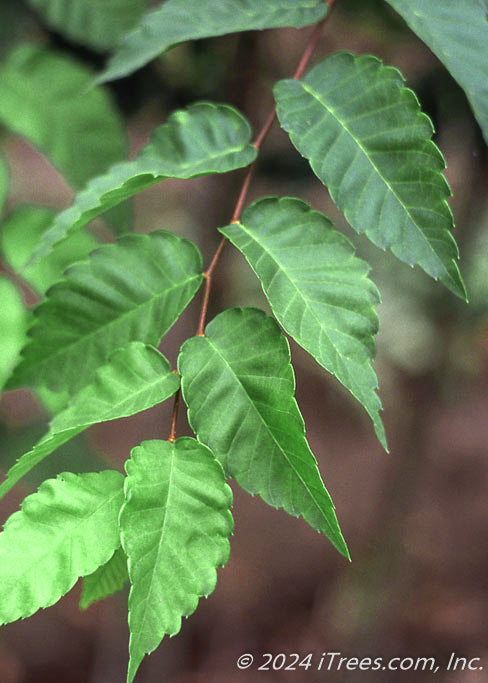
[(389, 187), (305, 300), (263, 421), (69, 533), (47, 359), (105, 418), (165, 507)]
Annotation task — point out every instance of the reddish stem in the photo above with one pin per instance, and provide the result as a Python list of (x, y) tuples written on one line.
[(174, 417), (302, 65)]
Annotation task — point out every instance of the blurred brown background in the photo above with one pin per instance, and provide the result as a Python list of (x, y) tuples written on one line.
[(415, 521)]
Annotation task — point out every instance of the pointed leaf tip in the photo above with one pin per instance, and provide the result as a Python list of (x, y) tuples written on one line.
[(175, 528), (238, 384), (177, 21), (132, 290), (368, 142), (317, 288), (65, 530)]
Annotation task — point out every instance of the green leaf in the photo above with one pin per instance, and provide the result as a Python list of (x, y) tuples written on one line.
[(13, 324), (203, 139), (65, 530), (45, 100), (136, 378), (133, 290), (175, 527), (457, 32), (238, 384), (23, 229), (179, 20), (318, 290), (367, 140), (106, 580), (99, 24)]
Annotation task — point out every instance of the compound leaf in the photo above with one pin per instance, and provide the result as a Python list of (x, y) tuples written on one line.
[(13, 325), (133, 290), (23, 229), (367, 140), (65, 530), (457, 32), (180, 20), (175, 526), (137, 377), (94, 23), (205, 138), (318, 290), (106, 580), (238, 384)]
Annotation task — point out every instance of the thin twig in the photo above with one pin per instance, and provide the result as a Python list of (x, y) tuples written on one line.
[(302, 65), (174, 417)]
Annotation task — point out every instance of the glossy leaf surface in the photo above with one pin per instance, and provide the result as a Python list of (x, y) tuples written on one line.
[(175, 527), (318, 290), (136, 378), (367, 140), (180, 20), (238, 384), (65, 530), (203, 139)]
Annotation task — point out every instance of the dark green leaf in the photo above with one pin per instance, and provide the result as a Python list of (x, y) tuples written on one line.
[(136, 378), (65, 530), (180, 20), (106, 580), (23, 230), (175, 527), (457, 32), (133, 290), (238, 384), (206, 138), (367, 140), (318, 289), (98, 24)]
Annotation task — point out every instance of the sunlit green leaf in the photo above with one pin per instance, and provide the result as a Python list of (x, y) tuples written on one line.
[(13, 323), (65, 530), (23, 230), (180, 20), (205, 138), (106, 580), (367, 140), (98, 24), (133, 290), (175, 527), (457, 32), (137, 377), (318, 290), (238, 384)]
